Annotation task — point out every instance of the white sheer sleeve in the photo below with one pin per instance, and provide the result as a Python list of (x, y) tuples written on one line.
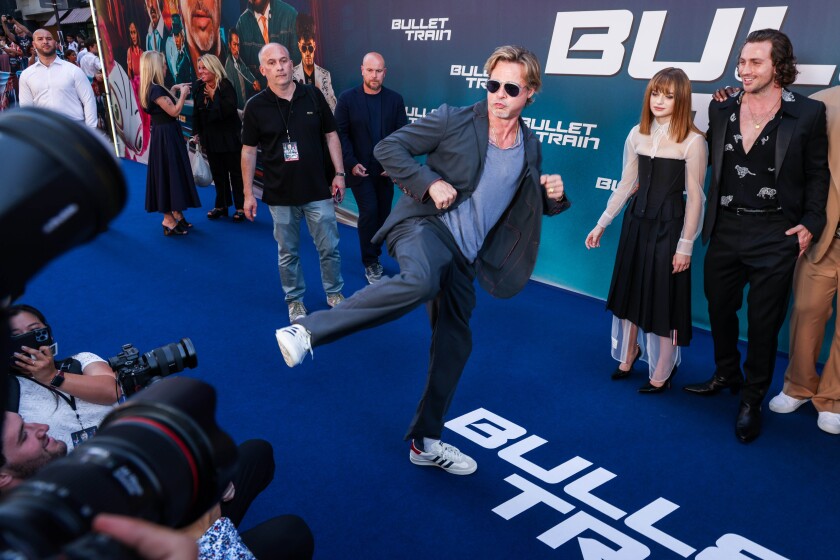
[(629, 181), (696, 160)]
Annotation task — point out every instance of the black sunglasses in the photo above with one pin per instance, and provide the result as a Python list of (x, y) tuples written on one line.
[(511, 88), (307, 48)]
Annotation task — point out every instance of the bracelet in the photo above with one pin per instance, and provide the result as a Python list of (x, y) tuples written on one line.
[(340, 174)]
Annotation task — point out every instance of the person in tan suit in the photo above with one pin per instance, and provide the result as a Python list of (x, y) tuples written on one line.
[(816, 281)]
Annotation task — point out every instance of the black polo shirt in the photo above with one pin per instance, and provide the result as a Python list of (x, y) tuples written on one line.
[(268, 122)]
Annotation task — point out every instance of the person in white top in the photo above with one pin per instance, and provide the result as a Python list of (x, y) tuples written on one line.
[(55, 84), (91, 65), (650, 293)]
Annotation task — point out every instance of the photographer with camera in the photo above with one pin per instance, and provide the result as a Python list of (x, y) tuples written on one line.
[(71, 395), (27, 447)]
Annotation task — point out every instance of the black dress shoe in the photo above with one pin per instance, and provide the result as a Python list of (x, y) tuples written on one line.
[(648, 388), (620, 373), (748, 423), (715, 384)]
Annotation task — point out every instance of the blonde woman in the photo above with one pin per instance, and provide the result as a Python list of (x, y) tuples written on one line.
[(217, 125), (650, 294), (169, 180)]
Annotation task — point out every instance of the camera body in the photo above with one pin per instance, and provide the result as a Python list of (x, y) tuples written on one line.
[(136, 371)]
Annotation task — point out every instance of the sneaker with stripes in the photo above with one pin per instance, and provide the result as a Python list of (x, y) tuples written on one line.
[(444, 456)]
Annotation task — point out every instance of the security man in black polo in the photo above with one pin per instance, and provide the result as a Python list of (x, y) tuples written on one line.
[(292, 124)]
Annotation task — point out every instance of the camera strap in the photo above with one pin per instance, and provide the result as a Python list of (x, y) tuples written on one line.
[(69, 399)]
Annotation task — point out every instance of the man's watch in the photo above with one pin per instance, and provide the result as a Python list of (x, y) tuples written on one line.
[(58, 379), (340, 174)]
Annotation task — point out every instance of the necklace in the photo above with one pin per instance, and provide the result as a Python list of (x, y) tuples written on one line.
[(757, 122), (496, 143)]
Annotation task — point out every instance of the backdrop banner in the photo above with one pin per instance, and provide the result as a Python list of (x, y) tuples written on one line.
[(597, 57)]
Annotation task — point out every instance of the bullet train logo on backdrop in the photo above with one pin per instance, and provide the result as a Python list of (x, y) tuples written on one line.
[(564, 133), (474, 75), (722, 44), (424, 29), (414, 113)]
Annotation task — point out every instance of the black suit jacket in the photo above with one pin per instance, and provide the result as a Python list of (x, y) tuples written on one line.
[(801, 161), (217, 121), (353, 120)]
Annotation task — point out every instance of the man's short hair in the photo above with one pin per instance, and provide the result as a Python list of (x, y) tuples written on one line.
[(521, 55), (267, 46), (781, 53), (89, 42), (231, 32)]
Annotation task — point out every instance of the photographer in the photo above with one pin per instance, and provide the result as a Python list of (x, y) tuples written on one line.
[(27, 447), (72, 395)]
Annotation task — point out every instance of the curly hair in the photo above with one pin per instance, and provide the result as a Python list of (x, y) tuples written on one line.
[(781, 53)]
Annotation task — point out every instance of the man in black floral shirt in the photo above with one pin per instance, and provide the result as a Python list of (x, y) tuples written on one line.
[(768, 150)]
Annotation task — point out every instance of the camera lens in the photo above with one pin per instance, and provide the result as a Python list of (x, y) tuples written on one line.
[(161, 457), (172, 358)]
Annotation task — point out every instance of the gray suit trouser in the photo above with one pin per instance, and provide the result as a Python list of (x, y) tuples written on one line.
[(432, 271)]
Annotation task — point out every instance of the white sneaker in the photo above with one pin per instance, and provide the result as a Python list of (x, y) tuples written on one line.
[(294, 344), (783, 403), (444, 456), (296, 311), (829, 422)]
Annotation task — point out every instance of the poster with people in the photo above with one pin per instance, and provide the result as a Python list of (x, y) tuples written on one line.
[(184, 30)]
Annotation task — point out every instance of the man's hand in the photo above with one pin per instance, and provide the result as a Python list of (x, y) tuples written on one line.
[(804, 236), (442, 193), (36, 362), (250, 207), (150, 541), (594, 238), (680, 263), (553, 186), (359, 170), (338, 188), (725, 92)]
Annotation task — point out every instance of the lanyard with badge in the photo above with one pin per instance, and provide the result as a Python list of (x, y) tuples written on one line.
[(290, 149)]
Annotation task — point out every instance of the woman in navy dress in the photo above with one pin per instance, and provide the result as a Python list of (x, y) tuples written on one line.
[(170, 188), (650, 294)]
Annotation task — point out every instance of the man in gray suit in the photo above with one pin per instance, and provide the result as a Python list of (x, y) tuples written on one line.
[(467, 211)]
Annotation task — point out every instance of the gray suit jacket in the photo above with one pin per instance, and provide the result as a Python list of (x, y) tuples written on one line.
[(454, 139)]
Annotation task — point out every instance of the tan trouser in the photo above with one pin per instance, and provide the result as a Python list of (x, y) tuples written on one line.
[(814, 288)]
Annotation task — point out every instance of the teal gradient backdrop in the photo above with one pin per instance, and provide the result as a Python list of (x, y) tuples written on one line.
[(597, 56)]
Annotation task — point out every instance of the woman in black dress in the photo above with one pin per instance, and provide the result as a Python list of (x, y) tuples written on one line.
[(170, 188), (217, 125), (650, 293)]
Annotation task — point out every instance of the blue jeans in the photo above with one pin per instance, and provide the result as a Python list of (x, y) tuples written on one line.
[(320, 219)]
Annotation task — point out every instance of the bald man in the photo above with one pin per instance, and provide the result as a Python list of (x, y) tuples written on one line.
[(365, 115), (55, 84)]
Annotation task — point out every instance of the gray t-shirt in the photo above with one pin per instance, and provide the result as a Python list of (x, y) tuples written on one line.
[(473, 219)]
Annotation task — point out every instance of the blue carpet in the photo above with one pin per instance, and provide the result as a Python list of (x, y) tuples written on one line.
[(540, 362)]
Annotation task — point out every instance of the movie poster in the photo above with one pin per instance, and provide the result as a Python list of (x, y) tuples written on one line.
[(184, 30)]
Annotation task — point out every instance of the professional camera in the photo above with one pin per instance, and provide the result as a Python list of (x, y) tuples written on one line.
[(160, 456), (135, 371)]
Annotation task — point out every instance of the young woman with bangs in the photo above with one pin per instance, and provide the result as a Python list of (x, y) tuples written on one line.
[(665, 158)]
